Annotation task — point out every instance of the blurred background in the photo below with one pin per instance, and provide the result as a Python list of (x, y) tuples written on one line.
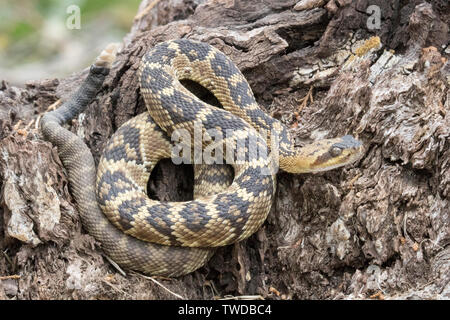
[(43, 39)]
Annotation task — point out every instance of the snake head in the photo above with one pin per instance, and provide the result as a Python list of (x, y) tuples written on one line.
[(324, 155)]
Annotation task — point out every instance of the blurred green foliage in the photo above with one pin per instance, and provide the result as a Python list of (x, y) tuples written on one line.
[(35, 30)]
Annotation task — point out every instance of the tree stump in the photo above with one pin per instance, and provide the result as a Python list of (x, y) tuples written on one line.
[(377, 229)]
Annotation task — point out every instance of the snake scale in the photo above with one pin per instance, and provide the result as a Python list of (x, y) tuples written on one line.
[(113, 201)]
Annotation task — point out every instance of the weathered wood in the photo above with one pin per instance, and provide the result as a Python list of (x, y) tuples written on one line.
[(379, 228)]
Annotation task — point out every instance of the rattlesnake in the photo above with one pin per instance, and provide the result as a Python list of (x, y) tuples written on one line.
[(225, 210)]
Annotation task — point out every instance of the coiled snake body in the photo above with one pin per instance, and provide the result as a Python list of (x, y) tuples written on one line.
[(225, 209)]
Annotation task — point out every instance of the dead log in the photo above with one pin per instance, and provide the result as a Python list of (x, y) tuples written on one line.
[(379, 228)]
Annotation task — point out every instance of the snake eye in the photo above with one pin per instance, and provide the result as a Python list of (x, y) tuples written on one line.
[(335, 151)]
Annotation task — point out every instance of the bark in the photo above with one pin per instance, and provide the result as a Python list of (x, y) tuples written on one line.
[(377, 229)]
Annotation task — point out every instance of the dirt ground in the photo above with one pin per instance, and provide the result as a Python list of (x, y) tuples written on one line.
[(378, 229)]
